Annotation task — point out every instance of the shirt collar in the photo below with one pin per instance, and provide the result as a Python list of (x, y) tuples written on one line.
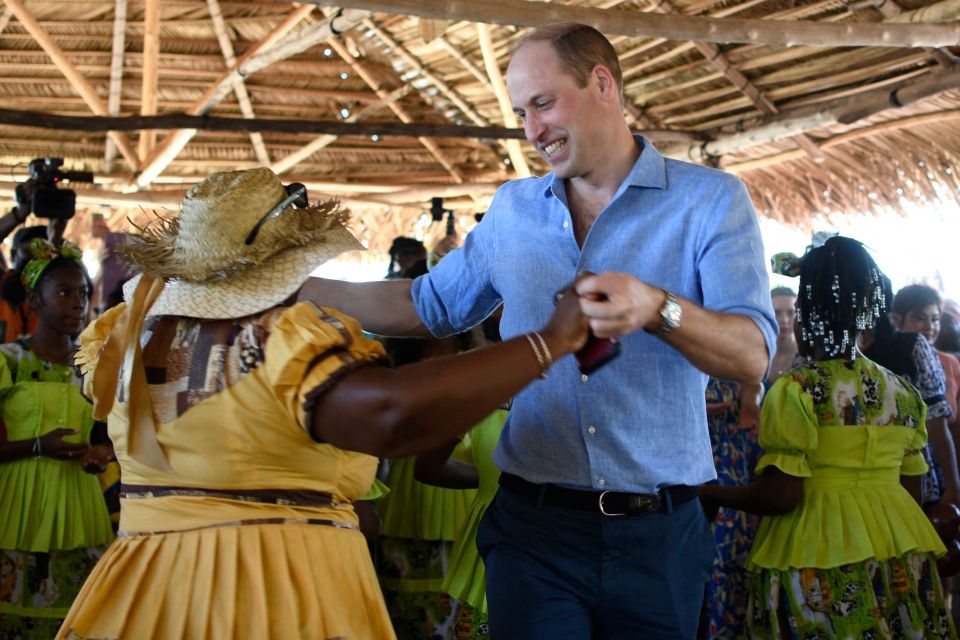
[(648, 171)]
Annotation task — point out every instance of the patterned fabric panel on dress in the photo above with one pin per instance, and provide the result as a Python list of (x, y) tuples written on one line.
[(188, 361), (735, 453), (897, 599)]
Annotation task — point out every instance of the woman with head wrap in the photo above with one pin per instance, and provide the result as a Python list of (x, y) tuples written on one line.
[(246, 427), (843, 550), (53, 519)]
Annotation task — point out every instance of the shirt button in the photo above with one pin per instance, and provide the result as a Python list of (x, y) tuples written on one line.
[(565, 224), (584, 377), (601, 482), (591, 429)]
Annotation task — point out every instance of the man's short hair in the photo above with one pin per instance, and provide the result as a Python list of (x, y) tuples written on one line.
[(579, 49), (777, 292), (914, 297)]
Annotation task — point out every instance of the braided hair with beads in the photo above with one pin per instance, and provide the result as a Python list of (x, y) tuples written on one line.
[(841, 294)]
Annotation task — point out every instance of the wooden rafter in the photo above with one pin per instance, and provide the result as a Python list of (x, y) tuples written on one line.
[(891, 10), (524, 13), (409, 59), (850, 136), (80, 84), (458, 55), (5, 18), (240, 90), (517, 159), (116, 76), (272, 49), (401, 113), (846, 111), (718, 60), (289, 161), (151, 77)]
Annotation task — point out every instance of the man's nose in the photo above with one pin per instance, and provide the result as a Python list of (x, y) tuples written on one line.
[(533, 128)]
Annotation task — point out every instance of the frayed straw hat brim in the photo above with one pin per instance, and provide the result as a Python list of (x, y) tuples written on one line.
[(254, 291)]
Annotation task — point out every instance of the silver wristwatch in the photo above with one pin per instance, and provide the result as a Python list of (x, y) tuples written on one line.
[(670, 314)]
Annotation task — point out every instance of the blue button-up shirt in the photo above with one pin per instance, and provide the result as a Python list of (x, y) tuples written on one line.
[(639, 422)]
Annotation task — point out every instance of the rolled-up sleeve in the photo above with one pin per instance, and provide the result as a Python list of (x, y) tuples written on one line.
[(731, 260)]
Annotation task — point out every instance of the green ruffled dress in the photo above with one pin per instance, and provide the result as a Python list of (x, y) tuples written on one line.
[(419, 524), (466, 578), (856, 558), (54, 523)]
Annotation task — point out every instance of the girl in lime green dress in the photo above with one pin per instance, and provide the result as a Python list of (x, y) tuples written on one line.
[(54, 523), (843, 550)]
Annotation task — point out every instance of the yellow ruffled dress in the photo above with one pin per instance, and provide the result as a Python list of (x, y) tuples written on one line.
[(205, 551), (856, 558)]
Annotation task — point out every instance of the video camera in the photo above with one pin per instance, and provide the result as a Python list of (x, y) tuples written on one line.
[(46, 199)]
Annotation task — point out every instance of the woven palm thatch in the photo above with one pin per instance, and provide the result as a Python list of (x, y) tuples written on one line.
[(812, 128)]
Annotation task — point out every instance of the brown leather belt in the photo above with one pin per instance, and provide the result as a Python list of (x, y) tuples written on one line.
[(609, 503)]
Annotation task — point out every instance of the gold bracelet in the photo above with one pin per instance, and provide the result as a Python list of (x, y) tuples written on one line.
[(536, 352), (547, 356)]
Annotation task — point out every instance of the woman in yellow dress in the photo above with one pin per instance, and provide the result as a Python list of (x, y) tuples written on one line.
[(843, 550), (246, 427)]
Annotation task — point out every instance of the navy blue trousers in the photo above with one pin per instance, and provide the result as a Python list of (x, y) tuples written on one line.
[(555, 573)]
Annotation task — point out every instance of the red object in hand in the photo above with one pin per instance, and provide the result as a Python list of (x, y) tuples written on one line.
[(596, 353)]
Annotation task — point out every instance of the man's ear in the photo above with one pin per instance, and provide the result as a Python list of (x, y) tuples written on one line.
[(897, 320), (605, 83)]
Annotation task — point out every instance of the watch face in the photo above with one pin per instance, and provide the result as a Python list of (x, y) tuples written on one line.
[(671, 314)]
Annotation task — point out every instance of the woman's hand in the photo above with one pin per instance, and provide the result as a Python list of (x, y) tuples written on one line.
[(96, 459), (568, 328), (53, 445)]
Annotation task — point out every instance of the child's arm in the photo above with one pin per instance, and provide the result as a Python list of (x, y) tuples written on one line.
[(435, 467)]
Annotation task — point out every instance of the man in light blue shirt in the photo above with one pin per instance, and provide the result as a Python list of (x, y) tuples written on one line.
[(595, 532)]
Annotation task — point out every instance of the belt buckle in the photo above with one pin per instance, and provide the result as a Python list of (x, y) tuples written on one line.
[(603, 509)]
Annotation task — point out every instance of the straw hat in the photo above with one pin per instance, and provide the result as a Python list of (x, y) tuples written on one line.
[(238, 247)]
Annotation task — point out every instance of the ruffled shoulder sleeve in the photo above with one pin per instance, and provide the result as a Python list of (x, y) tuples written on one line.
[(91, 344), (788, 428), (308, 350)]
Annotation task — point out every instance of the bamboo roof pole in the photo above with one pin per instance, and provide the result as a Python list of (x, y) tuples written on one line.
[(360, 69), (525, 13), (463, 60), (795, 121), (891, 9), (474, 70), (290, 160), (171, 146), (517, 158), (736, 77), (116, 77), (5, 18), (79, 83), (415, 64), (845, 138), (273, 48), (240, 90), (151, 77)]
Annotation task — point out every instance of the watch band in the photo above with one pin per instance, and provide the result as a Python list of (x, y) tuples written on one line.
[(670, 314)]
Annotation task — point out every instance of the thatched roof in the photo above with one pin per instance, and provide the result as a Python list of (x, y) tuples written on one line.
[(810, 127)]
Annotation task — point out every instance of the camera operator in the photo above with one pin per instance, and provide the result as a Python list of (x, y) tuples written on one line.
[(16, 318)]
